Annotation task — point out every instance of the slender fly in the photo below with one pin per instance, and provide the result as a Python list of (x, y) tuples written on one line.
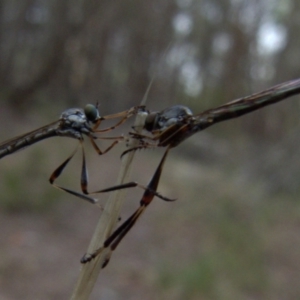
[(170, 127), (73, 123)]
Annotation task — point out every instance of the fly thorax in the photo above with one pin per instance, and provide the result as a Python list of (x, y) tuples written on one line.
[(151, 122), (74, 118)]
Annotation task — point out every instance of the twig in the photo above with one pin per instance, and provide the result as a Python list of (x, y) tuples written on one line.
[(108, 219)]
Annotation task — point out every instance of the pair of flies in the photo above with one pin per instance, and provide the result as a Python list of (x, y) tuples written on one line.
[(167, 128)]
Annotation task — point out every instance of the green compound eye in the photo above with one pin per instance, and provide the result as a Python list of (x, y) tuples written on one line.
[(91, 112)]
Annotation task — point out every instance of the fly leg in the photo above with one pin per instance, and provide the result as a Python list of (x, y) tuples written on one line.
[(83, 179), (124, 115), (116, 237)]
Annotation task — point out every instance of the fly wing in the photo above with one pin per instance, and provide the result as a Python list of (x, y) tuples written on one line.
[(247, 104), (26, 139)]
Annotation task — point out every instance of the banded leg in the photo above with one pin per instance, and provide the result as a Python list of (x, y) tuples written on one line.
[(116, 139), (159, 138), (124, 115), (116, 237), (133, 184), (84, 173), (83, 179)]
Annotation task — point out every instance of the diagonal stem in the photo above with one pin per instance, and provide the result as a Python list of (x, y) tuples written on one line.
[(108, 219)]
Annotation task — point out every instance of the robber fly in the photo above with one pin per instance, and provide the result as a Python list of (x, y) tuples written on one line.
[(73, 123), (170, 127)]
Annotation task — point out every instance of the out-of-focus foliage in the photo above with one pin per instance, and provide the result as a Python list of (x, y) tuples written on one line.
[(200, 52)]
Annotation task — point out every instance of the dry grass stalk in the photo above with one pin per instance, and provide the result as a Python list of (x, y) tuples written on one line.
[(107, 222)]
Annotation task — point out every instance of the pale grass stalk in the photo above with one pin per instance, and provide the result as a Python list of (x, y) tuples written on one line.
[(89, 272)]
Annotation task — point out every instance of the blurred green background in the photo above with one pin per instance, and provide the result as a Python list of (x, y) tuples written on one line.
[(234, 232)]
